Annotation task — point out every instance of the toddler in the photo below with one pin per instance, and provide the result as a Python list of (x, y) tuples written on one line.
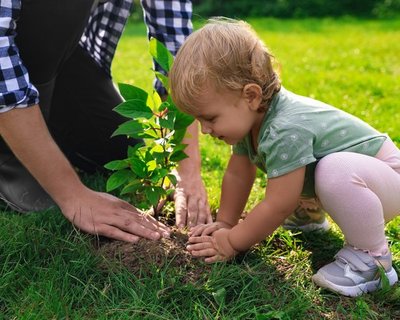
[(223, 76)]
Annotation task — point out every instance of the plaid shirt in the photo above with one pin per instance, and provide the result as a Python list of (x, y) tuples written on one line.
[(169, 21)]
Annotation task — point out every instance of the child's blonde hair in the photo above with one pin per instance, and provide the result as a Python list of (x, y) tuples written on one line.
[(225, 53)]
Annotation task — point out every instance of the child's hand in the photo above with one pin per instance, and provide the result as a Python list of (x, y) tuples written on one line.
[(215, 248), (207, 229)]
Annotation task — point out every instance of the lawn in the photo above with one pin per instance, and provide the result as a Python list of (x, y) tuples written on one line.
[(48, 270)]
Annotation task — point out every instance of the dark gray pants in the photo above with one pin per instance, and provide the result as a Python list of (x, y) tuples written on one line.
[(76, 96)]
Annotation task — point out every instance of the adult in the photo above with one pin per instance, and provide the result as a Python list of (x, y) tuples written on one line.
[(56, 105)]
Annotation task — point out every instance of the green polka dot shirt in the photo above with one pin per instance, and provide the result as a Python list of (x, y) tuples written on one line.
[(298, 131)]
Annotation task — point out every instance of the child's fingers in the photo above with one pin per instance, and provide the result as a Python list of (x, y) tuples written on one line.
[(199, 239), (202, 249), (215, 258), (199, 246), (209, 252), (197, 230), (209, 229)]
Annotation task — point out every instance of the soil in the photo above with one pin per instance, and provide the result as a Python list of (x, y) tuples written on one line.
[(141, 258)]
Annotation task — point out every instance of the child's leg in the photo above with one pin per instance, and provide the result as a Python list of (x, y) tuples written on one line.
[(361, 193)]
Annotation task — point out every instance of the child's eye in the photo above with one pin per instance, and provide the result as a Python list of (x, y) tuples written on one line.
[(211, 119)]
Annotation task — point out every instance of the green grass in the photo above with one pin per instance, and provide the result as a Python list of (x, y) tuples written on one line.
[(48, 270)]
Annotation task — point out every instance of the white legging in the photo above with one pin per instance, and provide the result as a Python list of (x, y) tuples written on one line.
[(361, 193)]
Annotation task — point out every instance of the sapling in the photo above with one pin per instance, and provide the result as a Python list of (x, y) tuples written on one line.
[(146, 175)]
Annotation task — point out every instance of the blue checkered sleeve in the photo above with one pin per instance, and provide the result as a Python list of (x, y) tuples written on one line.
[(104, 30), (169, 22), (16, 91)]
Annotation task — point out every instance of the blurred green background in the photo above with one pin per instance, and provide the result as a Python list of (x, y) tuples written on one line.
[(290, 8)]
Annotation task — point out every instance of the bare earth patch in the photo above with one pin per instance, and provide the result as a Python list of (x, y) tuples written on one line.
[(140, 257)]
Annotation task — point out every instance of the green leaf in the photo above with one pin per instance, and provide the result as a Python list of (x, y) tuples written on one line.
[(150, 133), (151, 165), (172, 178), (116, 165), (130, 128), (163, 78), (172, 106), (154, 100), (178, 136), (130, 92), (134, 109), (134, 150), (272, 315), (139, 167), (168, 121), (161, 54), (183, 120), (157, 149), (160, 156), (153, 194), (163, 106), (178, 156), (180, 147), (132, 187), (117, 179), (219, 296), (158, 175)]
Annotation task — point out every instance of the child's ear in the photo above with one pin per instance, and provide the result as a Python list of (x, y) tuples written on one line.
[(253, 94)]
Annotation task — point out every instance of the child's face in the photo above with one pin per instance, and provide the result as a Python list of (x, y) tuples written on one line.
[(227, 116)]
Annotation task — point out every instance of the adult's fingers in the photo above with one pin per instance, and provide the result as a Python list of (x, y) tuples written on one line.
[(145, 219), (192, 211), (117, 234), (204, 213), (180, 208), (142, 225), (209, 216), (151, 222)]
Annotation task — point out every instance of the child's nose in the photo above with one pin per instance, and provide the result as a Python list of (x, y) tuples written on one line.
[(205, 129)]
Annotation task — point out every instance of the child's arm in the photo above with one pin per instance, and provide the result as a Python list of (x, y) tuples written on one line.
[(236, 186), (281, 199), (282, 195)]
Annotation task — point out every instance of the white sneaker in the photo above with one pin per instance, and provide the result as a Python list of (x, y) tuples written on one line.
[(355, 272)]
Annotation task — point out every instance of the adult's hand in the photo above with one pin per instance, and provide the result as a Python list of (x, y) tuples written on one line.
[(103, 214), (191, 204), (98, 213)]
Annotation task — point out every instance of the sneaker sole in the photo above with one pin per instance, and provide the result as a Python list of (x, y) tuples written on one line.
[(310, 227), (357, 290)]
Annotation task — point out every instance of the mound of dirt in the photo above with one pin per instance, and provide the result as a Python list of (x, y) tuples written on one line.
[(141, 257)]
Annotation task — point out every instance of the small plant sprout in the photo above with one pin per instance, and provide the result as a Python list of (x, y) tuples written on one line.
[(146, 175)]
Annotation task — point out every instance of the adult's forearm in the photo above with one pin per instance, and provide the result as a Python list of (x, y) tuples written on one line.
[(27, 135)]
